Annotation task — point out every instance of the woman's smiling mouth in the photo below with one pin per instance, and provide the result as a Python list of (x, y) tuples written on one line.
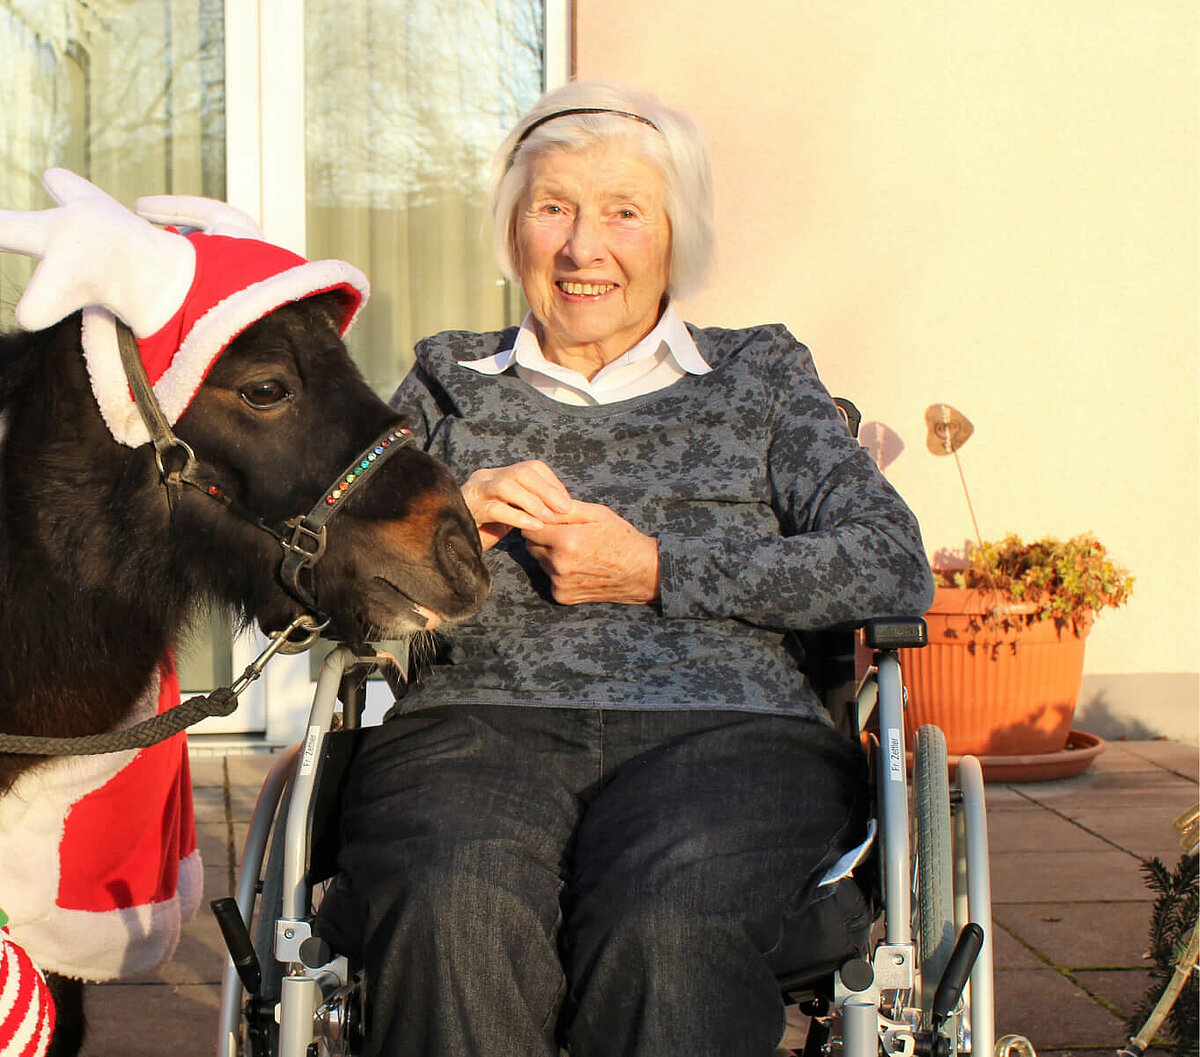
[(585, 289)]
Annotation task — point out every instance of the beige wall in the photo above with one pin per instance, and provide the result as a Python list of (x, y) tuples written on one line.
[(991, 205)]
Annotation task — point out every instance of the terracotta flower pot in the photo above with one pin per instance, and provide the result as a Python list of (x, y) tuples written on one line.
[(993, 691)]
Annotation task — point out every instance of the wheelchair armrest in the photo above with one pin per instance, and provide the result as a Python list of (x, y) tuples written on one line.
[(895, 633)]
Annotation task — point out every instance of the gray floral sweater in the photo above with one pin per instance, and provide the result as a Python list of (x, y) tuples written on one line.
[(769, 518)]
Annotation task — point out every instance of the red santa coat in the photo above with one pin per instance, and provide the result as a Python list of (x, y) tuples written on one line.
[(98, 861)]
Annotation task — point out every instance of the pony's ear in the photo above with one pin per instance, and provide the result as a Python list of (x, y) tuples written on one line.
[(336, 306)]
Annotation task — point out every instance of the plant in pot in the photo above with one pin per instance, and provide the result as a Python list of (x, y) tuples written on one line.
[(1007, 629)]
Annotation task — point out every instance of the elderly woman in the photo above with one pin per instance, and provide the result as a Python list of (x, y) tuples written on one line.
[(597, 821)]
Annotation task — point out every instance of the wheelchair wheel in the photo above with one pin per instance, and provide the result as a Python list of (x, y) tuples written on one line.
[(269, 905), (935, 861), (257, 1033)]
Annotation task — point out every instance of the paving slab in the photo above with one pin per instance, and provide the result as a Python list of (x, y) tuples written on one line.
[(1009, 953), (243, 798), (213, 840), (1174, 755), (1080, 935), (1118, 756), (1143, 831), (1050, 1011), (1124, 988), (1002, 797), (207, 771), (1115, 788), (209, 803), (1075, 876), (250, 769), (1036, 829), (151, 1020)]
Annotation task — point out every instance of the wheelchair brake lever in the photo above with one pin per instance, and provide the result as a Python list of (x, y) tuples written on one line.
[(954, 979), (237, 940)]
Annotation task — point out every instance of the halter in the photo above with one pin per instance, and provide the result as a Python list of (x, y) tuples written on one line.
[(303, 537)]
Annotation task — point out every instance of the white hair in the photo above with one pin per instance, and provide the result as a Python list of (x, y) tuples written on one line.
[(666, 137)]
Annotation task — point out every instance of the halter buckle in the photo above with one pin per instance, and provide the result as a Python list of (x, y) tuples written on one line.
[(306, 543)]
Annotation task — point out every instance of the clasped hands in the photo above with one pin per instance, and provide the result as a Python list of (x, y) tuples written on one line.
[(589, 552)]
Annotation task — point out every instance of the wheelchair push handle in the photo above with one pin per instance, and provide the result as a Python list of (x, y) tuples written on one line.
[(895, 633)]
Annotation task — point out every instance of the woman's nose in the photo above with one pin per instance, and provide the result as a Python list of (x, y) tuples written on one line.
[(585, 245)]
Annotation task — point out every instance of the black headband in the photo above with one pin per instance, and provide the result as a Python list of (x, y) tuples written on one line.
[(578, 110)]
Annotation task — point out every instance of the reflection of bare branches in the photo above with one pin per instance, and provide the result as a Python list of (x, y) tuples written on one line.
[(141, 105), (152, 84), (407, 99)]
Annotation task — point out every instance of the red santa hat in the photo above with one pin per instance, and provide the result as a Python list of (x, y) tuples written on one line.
[(185, 294)]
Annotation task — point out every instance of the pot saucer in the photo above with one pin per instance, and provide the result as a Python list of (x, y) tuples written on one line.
[(1075, 758)]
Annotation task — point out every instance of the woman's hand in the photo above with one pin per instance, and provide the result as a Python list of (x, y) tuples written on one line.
[(525, 496), (592, 554)]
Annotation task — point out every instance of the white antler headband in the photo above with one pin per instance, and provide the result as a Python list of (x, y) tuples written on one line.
[(198, 214), (79, 268), (184, 296)]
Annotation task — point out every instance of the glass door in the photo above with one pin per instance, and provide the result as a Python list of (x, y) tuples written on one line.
[(130, 94), (359, 129)]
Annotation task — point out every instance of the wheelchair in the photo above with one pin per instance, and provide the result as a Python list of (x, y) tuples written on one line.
[(902, 952)]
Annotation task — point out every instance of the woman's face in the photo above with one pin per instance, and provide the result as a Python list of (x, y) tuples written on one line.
[(593, 252)]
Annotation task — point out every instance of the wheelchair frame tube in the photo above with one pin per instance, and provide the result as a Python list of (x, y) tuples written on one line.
[(860, 1028), (298, 1000), (320, 717), (892, 794)]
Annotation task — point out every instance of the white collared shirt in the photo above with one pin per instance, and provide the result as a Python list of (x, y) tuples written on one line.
[(660, 359)]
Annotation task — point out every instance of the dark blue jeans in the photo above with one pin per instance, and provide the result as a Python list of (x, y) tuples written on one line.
[(617, 883)]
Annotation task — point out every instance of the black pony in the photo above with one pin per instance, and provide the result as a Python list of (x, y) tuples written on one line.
[(99, 573)]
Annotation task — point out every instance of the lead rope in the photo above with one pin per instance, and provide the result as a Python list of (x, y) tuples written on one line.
[(220, 702)]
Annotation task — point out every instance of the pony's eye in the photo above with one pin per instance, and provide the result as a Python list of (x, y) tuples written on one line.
[(265, 394)]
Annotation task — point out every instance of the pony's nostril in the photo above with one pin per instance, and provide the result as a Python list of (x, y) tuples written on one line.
[(460, 562)]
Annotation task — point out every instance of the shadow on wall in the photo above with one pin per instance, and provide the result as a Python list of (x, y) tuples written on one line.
[(1141, 705), (882, 443), (1095, 715)]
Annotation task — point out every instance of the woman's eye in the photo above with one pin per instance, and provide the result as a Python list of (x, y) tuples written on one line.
[(262, 395)]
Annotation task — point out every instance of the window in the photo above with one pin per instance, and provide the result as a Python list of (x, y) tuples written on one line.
[(359, 129), (132, 96), (129, 94), (405, 102)]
